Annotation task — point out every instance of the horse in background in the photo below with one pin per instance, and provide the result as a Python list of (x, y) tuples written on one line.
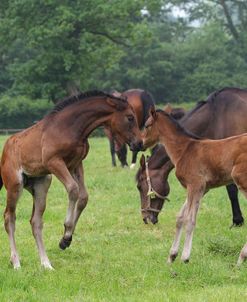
[(116, 148), (57, 144), (200, 165), (223, 114), (141, 101)]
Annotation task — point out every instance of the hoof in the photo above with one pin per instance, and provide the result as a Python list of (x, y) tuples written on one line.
[(240, 261), (65, 242), (186, 260), (47, 266), (171, 258), (14, 260), (237, 223), (17, 266), (132, 166)]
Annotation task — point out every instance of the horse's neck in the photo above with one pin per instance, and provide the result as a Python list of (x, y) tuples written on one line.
[(174, 140), (83, 117)]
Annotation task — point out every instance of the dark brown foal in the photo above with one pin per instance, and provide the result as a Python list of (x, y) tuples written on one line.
[(200, 164), (57, 145)]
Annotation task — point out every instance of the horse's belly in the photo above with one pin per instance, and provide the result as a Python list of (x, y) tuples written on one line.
[(218, 180), (34, 169)]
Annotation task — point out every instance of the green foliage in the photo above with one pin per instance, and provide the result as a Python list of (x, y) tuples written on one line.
[(21, 112), (63, 42), (208, 60), (50, 48)]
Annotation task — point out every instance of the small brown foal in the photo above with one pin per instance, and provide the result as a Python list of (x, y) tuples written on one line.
[(201, 164)]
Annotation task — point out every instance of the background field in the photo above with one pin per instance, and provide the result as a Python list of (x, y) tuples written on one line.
[(114, 256)]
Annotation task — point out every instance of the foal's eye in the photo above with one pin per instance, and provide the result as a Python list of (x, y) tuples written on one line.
[(130, 118)]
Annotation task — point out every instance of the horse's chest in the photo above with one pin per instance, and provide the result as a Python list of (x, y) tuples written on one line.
[(74, 157)]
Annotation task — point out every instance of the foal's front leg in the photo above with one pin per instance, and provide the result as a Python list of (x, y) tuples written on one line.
[(75, 210), (83, 195), (192, 209), (60, 170), (179, 225)]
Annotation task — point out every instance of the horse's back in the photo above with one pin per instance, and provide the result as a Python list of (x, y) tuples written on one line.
[(23, 148), (231, 110), (223, 114)]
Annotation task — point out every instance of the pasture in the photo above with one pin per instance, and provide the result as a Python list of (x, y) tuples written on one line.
[(114, 256)]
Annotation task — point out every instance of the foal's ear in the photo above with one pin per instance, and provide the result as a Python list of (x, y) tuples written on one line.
[(168, 108), (152, 112), (117, 104), (116, 94), (142, 161)]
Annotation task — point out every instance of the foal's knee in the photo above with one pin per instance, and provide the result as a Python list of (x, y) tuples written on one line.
[(190, 225), (82, 202), (36, 226), (179, 222), (73, 191), (9, 217)]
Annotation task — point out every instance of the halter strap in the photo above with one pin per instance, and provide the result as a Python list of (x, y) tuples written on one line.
[(151, 193)]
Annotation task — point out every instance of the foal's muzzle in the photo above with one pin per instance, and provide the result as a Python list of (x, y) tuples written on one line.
[(136, 146)]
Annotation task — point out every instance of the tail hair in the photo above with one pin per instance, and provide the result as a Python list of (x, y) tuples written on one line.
[(147, 103)]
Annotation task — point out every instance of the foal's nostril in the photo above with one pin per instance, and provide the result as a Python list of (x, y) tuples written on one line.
[(140, 146), (136, 146), (153, 219), (145, 220)]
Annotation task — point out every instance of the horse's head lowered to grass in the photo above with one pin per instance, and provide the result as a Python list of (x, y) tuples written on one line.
[(153, 188)]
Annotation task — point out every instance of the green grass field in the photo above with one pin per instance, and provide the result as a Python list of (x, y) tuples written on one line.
[(114, 256)]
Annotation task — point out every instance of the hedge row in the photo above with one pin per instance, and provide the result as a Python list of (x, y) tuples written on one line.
[(22, 112)]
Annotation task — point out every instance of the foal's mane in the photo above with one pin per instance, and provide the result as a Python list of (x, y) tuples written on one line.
[(179, 128), (82, 96)]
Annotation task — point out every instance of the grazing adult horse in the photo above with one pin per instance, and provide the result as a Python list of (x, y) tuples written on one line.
[(57, 145), (200, 164), (141, 101), (223, 114)]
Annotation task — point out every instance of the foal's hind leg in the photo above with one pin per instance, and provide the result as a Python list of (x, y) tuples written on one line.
[(38, 187), (74, 213), (240, 178), (14, 191), (243, 254)]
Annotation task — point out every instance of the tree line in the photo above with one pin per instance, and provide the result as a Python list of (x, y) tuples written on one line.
[(180, 51)]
